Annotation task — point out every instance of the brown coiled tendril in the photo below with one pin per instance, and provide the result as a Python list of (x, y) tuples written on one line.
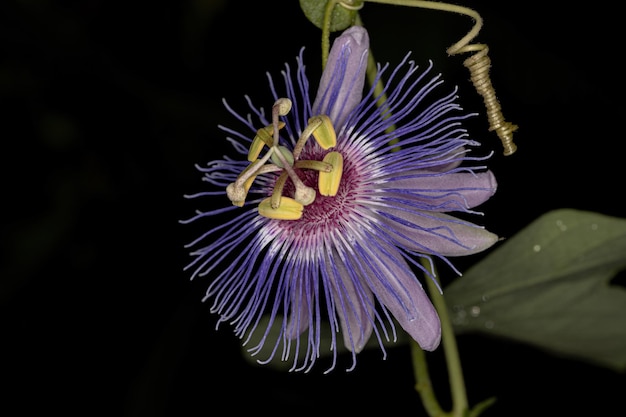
[(478, 64)]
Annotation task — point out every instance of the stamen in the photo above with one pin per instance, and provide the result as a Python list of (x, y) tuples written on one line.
[(306, 134), (303, 194), (236, 191), (324, 133), (328, 182), (277, 193), (263, 137), (314, 165), (277, 206), (289, 209)]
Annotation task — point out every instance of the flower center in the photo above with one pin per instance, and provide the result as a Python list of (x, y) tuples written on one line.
[(288, 164)]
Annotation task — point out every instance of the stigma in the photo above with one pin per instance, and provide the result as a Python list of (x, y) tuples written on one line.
[(288, 167)]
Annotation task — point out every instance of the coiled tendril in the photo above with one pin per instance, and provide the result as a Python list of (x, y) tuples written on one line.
[(478, 64)]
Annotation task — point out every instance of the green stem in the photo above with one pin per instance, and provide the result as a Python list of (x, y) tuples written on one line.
[(423, 385), (328, 13), (453, 361)]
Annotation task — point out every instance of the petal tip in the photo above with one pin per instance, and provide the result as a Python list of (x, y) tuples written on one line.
[(358, 33), (432, 343)]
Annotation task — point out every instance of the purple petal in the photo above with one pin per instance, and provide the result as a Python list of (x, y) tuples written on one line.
[(448, 192), (436, 233), (299, 310), (341, 85), (395, 286), (354, 306), (450, 160)]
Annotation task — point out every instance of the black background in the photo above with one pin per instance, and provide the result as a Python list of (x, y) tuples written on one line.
[(107, 106)]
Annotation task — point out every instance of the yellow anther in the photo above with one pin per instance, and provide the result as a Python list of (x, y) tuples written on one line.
[(324, 133), (315, 165), (289, 209), (255, 148), (328, 183), (263, 137)]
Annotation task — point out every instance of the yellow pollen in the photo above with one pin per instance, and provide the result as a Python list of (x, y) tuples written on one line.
[(289, 209), (328, 182), (324, 134), (263, 137), (288, 163)]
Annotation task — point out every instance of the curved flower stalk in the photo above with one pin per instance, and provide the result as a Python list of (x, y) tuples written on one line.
[(331, 218)]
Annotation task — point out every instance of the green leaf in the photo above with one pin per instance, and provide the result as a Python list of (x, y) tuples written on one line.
[(549, 286), (341, 17)]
